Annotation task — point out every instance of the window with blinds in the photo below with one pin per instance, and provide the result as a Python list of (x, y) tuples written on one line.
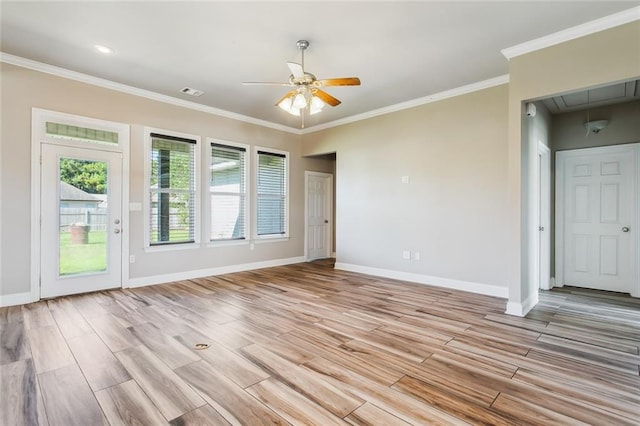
[(172, 190), (228, 192), (271, 194)]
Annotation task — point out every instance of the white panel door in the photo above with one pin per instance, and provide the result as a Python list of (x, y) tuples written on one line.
[(318, 237), (598, 213), (81, 239)]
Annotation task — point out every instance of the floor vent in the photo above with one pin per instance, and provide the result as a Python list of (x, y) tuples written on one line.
[(200, 346)]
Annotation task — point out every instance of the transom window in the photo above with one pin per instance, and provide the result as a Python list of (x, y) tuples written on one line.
[(84, 134)]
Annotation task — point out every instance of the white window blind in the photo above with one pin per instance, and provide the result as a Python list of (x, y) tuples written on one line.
[(228, 192), (172, 190), (271, 194)]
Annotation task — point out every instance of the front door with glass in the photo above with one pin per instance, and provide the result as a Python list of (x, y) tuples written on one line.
[(81, 214)]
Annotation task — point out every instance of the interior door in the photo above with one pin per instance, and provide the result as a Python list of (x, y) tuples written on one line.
[(318, 232), (598, 209), (81, 213)]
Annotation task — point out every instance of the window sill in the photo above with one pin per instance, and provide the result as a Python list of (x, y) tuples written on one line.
[(171, 247), (227, 243), (269, 239)]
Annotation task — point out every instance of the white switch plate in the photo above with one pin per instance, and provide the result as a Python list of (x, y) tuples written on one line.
[(404, 179), (135, 207), (132, 259), (406, 254), (416, 255)]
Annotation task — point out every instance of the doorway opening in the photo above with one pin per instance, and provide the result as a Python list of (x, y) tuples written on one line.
[(594, 118)]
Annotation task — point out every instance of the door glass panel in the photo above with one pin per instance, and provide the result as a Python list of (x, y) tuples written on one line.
[(83, 214)]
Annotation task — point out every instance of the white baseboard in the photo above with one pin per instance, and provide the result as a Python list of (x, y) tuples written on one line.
[(199, 273), (16, 299), (479, 288), (522, 309)]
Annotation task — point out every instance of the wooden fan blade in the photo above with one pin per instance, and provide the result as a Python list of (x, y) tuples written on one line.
[(327, 98), (296, 69), (345, 81), (289, 93), (264, 83)]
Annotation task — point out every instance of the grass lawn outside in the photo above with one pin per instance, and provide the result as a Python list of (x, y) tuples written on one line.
[(83, 258), (92, 257)]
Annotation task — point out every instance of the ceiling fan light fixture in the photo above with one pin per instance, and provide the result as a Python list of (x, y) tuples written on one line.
[(299, 101), (285, 104), (316, 105), (306, 95)]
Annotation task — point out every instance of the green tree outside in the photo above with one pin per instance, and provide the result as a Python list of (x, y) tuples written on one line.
[(89, 176)]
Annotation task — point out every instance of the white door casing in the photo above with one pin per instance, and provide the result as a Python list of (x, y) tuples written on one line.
[(597, 218), (318, 209), (39, 138), (53, 281), (544, 217)]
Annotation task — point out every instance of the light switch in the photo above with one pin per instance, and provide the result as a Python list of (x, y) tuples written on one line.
[(406, 254), (135, 207), (405, 179)]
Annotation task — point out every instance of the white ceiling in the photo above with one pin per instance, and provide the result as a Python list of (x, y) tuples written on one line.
[(400, 50)]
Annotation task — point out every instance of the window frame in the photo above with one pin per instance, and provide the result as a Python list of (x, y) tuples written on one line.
[(247, 195), (287, 178), (169, 246)]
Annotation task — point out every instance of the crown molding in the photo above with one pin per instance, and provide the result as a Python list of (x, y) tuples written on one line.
[(462, 90), (572, 33), (85, 78), (108, 84)]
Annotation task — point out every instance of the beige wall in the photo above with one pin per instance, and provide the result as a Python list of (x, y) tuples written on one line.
[(454, 208), (598, 59), (24, 89)]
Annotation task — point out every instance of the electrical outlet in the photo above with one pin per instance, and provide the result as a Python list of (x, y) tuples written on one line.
[(251, 246), (132, 259), (406, 255)]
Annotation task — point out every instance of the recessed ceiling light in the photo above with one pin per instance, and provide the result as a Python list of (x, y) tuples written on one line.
[(103, 49)]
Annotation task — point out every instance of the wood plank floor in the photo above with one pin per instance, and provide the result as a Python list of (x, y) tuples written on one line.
[(306, 344)]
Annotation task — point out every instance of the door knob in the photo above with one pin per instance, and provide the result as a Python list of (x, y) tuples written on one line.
[(625, 229), (117, 221), (116, 231)]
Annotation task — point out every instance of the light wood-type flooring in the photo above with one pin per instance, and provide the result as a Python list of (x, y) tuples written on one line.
[(306, 344)]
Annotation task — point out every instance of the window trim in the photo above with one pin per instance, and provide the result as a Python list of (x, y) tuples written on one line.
[(287, 178), (248, 197), (148, 131)]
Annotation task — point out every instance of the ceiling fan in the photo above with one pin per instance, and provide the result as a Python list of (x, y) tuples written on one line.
[(306, 93)]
